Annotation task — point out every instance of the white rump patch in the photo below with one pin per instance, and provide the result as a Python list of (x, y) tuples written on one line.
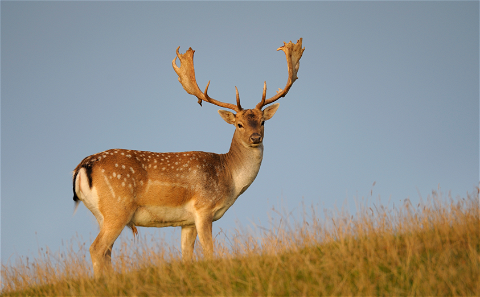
[(88, 196)]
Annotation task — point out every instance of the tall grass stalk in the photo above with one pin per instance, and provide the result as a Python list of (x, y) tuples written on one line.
[(432, 248)]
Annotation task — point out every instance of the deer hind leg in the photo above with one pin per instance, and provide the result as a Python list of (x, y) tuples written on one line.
[(203, 223), (101, 248), (189, 234)]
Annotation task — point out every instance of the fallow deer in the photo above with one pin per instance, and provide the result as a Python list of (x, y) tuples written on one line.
[(189, 189)]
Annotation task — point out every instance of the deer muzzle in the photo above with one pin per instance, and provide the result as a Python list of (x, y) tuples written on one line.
[(255, 138)]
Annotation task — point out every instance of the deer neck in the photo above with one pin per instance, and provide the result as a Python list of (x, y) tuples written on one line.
[(243, 162)]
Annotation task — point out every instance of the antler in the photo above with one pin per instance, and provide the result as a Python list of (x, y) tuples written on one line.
[(186, 76), (293, 52)]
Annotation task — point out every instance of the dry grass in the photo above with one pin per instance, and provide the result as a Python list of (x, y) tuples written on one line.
[(430, 249)]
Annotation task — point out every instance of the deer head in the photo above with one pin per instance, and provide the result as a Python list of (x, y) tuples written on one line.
[(249, 123)]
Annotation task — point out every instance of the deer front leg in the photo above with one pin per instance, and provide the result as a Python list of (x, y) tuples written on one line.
[(189, 234), (203, 224)]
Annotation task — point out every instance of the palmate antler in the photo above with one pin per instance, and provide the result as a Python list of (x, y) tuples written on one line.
[(186, 76), (293, 52)]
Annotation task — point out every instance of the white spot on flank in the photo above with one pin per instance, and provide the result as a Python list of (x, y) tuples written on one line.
[(114, 174), (123, 166), (131, 169), (109, 186), (123, 184), (116, 165)]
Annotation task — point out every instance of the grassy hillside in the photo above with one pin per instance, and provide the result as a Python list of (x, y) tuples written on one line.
[(430, 249)]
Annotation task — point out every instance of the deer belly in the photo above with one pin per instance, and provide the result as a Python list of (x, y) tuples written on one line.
[(163, 216)]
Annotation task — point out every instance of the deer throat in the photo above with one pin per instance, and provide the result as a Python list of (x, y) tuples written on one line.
[(246, 168)]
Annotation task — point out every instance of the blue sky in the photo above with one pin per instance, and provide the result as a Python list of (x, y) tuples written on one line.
[(388, 92)]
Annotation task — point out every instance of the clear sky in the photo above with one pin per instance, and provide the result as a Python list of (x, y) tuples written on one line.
[(388, 92)]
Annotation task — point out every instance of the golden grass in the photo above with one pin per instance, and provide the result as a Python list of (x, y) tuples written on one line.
[(430, 249)]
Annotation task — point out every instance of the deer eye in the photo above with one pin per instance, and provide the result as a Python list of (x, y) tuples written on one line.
[(239, 125)]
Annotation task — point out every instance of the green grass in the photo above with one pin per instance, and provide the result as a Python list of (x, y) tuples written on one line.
[(433, 249)]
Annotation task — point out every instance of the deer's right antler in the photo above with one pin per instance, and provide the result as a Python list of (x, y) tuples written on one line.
[(186, 76)]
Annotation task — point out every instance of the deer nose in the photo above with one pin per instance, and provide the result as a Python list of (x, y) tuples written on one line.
[(256, 138)]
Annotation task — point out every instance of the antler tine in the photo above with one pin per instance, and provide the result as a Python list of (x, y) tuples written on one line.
[(238, 99), (186, 77), (264, 95), (293, 53)]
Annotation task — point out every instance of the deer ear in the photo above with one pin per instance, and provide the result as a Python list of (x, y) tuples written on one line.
[(227, 116), (270, 111)]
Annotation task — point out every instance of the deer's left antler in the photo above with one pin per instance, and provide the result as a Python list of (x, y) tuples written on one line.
[(293, 52)]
